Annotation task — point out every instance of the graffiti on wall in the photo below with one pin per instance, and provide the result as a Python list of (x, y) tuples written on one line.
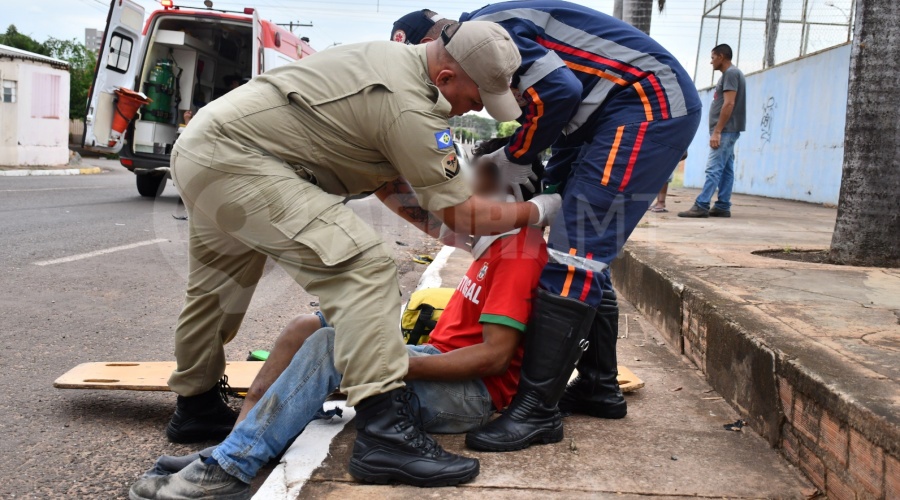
[(767, 119)]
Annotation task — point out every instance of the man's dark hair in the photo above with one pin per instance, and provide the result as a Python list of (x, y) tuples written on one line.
[(491, 145), (723, 50)]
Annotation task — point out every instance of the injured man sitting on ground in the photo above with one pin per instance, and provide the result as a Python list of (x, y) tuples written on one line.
[(468, 370)]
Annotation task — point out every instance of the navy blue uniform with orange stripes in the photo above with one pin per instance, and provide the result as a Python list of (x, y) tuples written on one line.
[(618, 111)]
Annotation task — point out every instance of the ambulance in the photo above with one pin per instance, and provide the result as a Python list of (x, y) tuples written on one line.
[(180, 59)]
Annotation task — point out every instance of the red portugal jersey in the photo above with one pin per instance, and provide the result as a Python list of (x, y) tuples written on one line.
[(497, 288)]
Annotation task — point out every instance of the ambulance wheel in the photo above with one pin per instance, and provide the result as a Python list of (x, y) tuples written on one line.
[(150, 186)]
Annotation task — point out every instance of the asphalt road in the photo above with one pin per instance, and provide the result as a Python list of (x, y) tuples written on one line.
[(115, 306)]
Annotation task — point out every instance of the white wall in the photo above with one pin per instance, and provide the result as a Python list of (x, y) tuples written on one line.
[(34, 140), (793, 147)]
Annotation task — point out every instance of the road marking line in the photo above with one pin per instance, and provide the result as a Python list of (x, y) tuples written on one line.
[(96, 253), (52, 189), (307, 453)]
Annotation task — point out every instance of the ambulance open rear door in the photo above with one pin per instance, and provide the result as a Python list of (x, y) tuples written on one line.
[(117, 66), (258, 46)]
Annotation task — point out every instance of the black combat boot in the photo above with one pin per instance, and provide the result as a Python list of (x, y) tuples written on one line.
[(554, 341), (595, 390), (391, 446), (204, 417)]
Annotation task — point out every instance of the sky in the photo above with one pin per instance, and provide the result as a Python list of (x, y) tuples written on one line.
[(334, 21)]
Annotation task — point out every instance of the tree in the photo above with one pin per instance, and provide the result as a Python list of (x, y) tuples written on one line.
[(480, 127), (867, 230), (13, 38), (638, 13), (506, 129)]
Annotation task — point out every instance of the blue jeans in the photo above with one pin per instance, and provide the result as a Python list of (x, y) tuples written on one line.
[(719, 173), (298, 393)]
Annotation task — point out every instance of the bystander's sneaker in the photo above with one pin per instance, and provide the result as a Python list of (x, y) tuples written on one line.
[(718, 212), (696, 212), (197, 481)]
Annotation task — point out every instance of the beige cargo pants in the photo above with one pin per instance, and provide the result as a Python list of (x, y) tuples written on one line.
[(236, 222)]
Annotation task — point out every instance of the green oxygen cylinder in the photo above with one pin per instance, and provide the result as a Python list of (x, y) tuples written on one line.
[(160, 87)]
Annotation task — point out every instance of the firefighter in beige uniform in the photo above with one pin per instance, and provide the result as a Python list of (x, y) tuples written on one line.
[(264, 171)]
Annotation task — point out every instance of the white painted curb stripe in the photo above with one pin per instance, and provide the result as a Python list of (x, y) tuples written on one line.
[(95, 253), (311, 448), (304, 456), (431, 278), (58, 171)]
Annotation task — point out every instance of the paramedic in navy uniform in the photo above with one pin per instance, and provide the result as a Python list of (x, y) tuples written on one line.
[(618, 111)]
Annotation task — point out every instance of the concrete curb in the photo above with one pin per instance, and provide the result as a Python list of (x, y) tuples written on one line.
[(59, 171), (304, 456), (844, 446)]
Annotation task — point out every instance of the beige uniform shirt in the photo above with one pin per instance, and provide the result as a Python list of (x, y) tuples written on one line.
[(349, 119)]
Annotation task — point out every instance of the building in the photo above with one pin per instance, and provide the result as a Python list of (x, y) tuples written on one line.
[(93, 39), (34, 108)]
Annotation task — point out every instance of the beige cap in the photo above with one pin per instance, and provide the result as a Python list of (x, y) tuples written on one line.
[(488, 55)]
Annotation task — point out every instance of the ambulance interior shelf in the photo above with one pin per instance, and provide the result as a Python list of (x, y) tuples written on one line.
[(179, 75)]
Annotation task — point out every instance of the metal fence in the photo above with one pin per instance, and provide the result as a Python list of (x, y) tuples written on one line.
[(763, 33)]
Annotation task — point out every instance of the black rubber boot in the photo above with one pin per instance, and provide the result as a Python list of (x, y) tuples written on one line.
[(204, 417), (554, 341), (391, 446), (595, 390)]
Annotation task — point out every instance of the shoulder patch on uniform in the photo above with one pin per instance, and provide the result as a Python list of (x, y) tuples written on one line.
[(399, 36), (444, 139), (451, 165)]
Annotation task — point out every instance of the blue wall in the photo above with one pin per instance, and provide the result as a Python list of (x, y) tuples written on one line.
[(793, 147)]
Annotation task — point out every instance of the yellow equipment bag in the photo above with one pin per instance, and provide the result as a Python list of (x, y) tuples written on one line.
[(422, 313)]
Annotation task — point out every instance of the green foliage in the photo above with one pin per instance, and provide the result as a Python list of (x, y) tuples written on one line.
[(13, 38), (81, 63), (465, 134), (506, 129), (473, 127)]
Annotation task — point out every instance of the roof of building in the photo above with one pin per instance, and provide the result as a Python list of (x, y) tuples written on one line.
[(14, 53)]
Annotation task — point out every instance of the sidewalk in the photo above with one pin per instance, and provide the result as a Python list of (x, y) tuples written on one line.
[(672, 444), (84, 166), (808, 353)]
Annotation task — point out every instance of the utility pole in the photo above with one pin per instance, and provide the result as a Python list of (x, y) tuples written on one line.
[(291, 25)]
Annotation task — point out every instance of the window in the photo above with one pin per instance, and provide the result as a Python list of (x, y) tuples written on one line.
[(45, 96), (9, 91), (119, 53)]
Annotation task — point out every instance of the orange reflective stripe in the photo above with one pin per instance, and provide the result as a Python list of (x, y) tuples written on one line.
[(569, 277), (537, 116), (612, 155), (587, 280), (597, 72), (634, 155), (648, 111), (663, 107)]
